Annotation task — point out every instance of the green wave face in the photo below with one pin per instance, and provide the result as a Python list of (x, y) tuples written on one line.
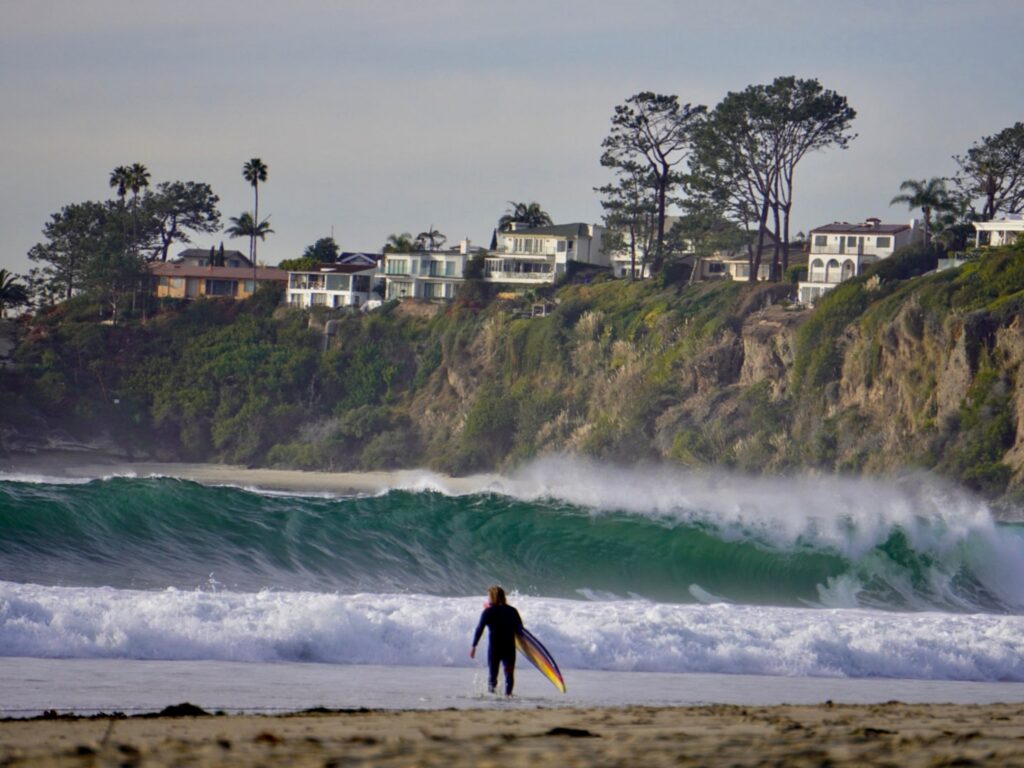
[(158, 533)]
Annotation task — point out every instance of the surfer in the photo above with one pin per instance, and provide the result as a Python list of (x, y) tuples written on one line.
[(504, 622)]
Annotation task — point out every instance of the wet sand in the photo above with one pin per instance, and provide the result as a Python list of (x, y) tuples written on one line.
[(892, 733)]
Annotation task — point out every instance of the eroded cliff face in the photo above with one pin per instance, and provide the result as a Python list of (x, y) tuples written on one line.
[(916, 387)]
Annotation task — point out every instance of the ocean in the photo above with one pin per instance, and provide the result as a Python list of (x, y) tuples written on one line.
[(648, 585)]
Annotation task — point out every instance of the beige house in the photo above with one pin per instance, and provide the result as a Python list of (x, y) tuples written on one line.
[(176, 280)]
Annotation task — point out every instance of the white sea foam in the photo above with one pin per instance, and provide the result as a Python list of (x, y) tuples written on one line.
[(418, 630), (37, 478)]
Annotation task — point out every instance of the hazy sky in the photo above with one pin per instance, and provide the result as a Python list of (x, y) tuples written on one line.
[(379, 117)]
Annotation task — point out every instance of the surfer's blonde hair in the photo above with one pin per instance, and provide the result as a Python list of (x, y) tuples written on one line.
[(496, 595)]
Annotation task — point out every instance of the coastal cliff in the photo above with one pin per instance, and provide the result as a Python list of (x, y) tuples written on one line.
[(894, 371)]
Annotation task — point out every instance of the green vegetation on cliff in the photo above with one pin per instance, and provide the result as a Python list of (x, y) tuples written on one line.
[(887, 373)]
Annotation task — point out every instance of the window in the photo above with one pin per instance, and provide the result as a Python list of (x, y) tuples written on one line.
[(449, 269), (560, 246), (318, 299), (220, 287), (820, 241), (883, 242), (715, 267), (742, 270), (851, 241), (337, 282), (397, 267)]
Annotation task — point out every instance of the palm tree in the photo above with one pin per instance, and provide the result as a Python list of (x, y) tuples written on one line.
[(399, 243), (120, 178), (530, 214), (137, 180), (12, 293), (431, 237), (930, 196), (254, 171), (244, 225)]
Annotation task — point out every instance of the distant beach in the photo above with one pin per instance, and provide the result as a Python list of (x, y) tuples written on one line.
[(884, 734), (86, 465)]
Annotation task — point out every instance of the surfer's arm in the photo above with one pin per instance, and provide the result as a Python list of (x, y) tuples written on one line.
[(478, 633)]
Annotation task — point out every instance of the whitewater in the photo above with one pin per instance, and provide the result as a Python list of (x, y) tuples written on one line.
[(652, 577)]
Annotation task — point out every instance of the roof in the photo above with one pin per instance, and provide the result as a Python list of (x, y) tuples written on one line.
[(204, 253), (170, 269), (335, 269), (1005, 221), (870, 227), (358, 257), (554, 230)]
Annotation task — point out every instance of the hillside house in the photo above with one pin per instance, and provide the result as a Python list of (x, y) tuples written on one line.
[(426, 274), (1002, 231), (350, 282), (842, 250), (541, 255), (179, 280)]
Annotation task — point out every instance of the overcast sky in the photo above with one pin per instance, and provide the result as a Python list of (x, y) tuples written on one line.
[(379, 117)]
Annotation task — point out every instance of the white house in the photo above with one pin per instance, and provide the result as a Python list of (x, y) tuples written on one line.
[(621, 258), (1001, 231), (426, 274), (347, 284), (842, 250), (541, 255)]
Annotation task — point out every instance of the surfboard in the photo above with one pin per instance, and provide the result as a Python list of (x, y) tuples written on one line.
[(538, 655)]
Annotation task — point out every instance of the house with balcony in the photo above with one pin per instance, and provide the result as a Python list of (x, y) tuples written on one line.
[(352, 281), (1002, 231), (430, 275), (841, 250), (529, 256)]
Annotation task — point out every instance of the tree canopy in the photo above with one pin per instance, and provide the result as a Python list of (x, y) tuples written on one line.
[(747, 152), (529, 214), (930, 196), (323, 251), (992, 170), (651, 135), (178, 208), (399, 243), (430, 239), (13, 293), (243, 225)]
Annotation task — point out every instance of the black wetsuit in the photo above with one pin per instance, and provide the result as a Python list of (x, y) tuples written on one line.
[(504, 622)]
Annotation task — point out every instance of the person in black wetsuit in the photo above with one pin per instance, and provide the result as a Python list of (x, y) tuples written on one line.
[(503, 622)]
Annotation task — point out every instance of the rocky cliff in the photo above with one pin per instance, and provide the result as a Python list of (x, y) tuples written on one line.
[(894, 371)]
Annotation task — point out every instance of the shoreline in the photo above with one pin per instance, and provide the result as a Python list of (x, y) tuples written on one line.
[(75, 465), (835, 734)]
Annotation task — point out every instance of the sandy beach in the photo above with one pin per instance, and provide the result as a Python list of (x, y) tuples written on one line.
[(885, 734), (85, 465)]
